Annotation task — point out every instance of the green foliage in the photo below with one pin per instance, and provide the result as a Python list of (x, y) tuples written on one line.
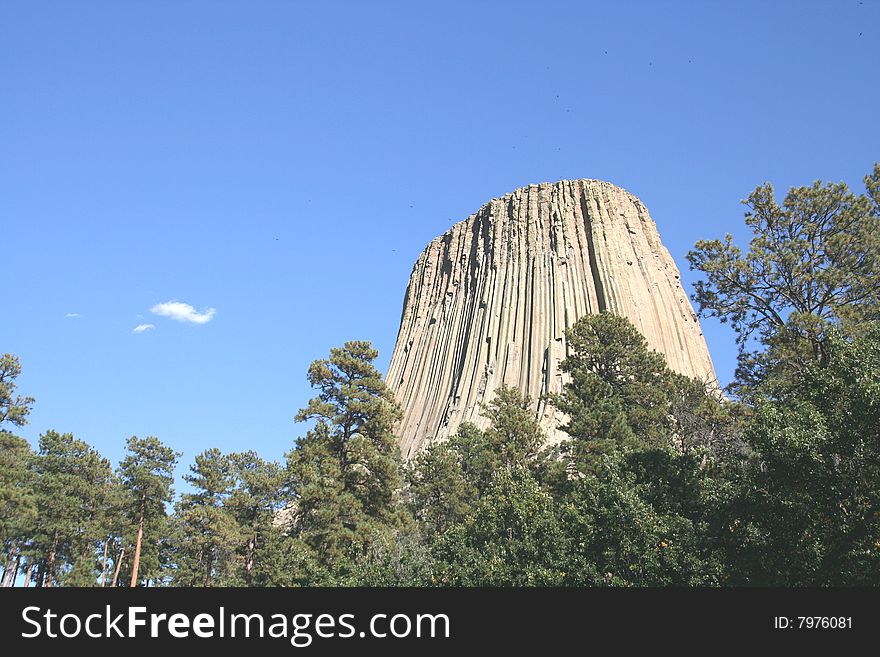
[(813, 263), (513, 436), (623, 396), (13, 408), (643, 520), (112, 526), (253, 504), (401, 557), (346, 470), (616, 394), (807, 509), (18, 508), (285, 560), (440, 494), (701, 418), (147, 473), (205, 533), (513, 538), (639, 511), (477, 459), (71, 482), (446, 479)]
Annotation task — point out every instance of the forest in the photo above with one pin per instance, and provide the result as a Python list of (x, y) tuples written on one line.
[(662, 480)]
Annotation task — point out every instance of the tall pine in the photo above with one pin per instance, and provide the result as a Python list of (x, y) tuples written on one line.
[(346, 470), (147, 473)]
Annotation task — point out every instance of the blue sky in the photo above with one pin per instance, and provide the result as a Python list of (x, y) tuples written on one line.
[(279, 166)]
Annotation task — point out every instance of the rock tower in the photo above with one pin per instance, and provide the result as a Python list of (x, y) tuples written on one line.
[(489, 300)]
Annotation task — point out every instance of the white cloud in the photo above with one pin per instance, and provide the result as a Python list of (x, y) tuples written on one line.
[(72, 315), (140, 328), (183, 312)]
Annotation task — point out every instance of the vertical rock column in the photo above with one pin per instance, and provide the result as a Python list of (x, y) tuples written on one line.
[(488, 302)]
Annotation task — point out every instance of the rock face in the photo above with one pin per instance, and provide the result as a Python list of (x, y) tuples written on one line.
[(489, 300)]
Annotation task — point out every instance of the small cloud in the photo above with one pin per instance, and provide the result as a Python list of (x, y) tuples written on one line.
[(72, 315), (183, 312), (140, 328)]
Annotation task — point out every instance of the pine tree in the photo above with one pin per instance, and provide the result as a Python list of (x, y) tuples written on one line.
[(69, 479), (476, 456), (641, 519), (14, 409), (18, 508), (111, 527), (512, 538), (514, 433), (345, 471), (813, 263), (439, 493), (254, 503), (205, 533), (147, 474), (807, 506), (16, 492), (446, 479), (617, 396)]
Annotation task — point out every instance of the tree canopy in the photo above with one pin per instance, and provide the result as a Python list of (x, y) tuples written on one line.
[(813, 263)]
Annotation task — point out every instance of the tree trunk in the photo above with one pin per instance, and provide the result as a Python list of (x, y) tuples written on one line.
[(137, 545), (104, 564), (7, 573), (209, 567), (14, 572), (118, 566), (30, 573), (249, 565), (50, 561), (41, 573)]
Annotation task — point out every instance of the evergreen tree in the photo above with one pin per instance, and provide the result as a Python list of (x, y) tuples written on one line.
[(640, 519), (18, 508), (807, 505), (476, 457), (622, 395), (16, 493), (111, 526), (813, 263), (70, 479), (514, 434), (254, 504), (399, 558), (205, 532), (639, 505), (618, 393), (446, 479), (147, 473), (86, 562), (439, 493), (14, 409), (345, 471), (512, 538)]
